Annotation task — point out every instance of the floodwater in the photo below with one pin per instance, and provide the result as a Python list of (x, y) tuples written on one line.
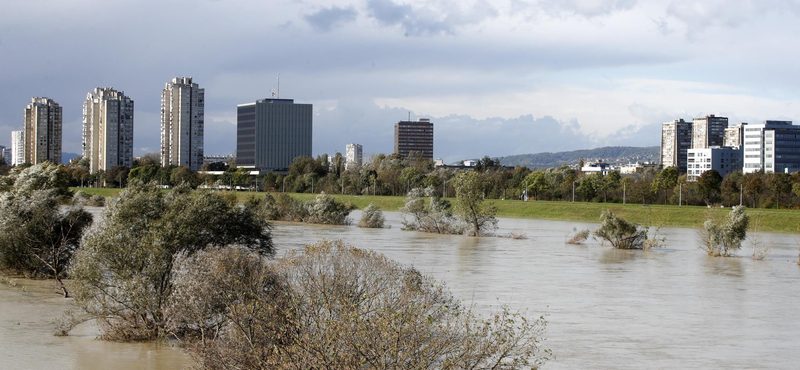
[(606, 309)]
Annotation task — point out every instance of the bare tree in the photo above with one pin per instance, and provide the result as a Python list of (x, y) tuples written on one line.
[(330, 306)]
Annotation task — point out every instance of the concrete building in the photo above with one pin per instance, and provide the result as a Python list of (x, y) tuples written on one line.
[(414, 136), (42, 132), (182, 123), (721, 159), (676, 139), (107, 129), (272, 133), (773, 146), (354, 156), (17, 148), (734, 135), (708, 131), (5, 153)]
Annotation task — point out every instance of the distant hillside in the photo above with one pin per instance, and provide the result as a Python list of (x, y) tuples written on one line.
[(610, 154), (66, 157)]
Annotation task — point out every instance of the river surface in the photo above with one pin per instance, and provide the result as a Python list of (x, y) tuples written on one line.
[(606, 309)]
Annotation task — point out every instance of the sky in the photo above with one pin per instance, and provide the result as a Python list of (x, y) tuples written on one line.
[(497, 78)]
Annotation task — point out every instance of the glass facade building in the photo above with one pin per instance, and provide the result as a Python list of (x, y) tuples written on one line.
[(271, 133)]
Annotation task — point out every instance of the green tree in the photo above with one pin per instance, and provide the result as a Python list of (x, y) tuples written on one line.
[(470, 206), (535, 183), (709, 185), (665, 180), (182, 175)]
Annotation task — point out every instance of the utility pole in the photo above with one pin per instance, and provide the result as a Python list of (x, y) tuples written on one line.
[(624, 185), (741, 193), (284, 184), (312, 185), (573, 192), (680, 195), (342, 186)]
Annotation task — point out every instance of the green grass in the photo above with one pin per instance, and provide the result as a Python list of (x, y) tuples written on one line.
[(767, 220)]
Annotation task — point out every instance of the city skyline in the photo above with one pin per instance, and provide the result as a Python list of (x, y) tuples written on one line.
[(492, 75)]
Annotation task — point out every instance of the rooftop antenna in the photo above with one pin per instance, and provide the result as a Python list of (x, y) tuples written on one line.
[(272, 90), (409, 116), (279, 85)]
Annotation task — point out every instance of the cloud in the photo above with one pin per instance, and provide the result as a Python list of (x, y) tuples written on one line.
[(437, 17), (326, 19), (701, 15), (581, 8)]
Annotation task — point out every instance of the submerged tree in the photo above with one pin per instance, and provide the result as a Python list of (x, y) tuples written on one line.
[(123, 271), (330, 306), (621, 233), (37, 238), (372, 217), (470, 206), (433, 216), (726, 238)]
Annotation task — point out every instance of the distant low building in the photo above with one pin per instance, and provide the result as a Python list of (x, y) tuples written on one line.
[(721, 159), (601, 168), (218, 159), (470, 162)]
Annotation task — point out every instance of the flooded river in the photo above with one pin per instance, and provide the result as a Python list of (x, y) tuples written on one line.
[(606, 309)]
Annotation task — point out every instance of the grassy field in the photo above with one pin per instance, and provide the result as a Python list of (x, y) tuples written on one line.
[(767, 220)]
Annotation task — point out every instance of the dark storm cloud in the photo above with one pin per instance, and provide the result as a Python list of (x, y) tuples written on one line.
[(326, 19)]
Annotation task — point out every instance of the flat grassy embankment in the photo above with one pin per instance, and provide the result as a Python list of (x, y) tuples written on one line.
[(767, 220)]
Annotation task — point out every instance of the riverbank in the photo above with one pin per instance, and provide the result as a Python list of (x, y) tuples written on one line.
[(763, 220)]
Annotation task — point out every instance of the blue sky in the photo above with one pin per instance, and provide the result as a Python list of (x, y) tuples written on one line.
[(496, 77)]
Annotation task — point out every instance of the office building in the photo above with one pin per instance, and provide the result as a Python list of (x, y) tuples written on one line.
[(708, 131), (734, 135), (676, 139), (107, 129), (721, 159), (42, 132), (182, 124), (17, 148), (271, 133), (773, 146), (414, 136), (353, 156)]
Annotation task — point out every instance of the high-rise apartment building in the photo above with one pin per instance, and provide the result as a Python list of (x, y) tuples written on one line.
[(353, 156), (773, 146), (676, 139), (734, 135), (42, 132), (414, 136), (107, 129), (271, 133), (17, 148), (708, 131), (182, 123)]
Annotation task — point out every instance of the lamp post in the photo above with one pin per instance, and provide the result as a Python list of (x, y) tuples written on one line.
[(741, 193), (624, 185), (284, 184), (680, 195)]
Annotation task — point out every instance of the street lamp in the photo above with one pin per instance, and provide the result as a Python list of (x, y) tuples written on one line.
[(573, 191)]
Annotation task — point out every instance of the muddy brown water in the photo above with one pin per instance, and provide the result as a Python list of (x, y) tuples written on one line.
[(606, 309)]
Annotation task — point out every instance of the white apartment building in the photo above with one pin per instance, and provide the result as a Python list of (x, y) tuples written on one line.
[(41, 132), (773, 146), (182, 123), (676, 139), (354, 156), (107, 129), (721, 159), (17, 148)]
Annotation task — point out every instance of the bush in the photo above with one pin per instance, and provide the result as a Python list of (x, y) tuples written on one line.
[(579, 237), (43, 176), (123, 271), (372, 217), (81, 198), (336, 307), (326, 210), (726, 238), (620, 233)]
